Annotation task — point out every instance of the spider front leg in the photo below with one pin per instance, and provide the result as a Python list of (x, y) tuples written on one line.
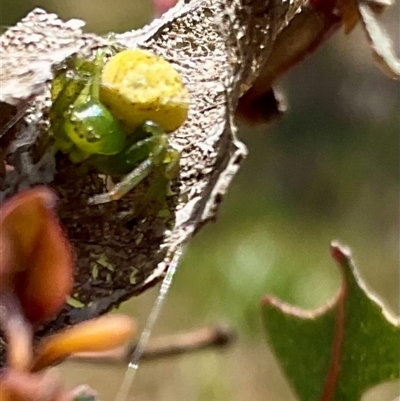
[(137, 161)]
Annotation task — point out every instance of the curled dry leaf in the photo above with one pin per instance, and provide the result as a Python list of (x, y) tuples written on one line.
[(219, 49), (381, 45), (349, 13), (302, 36), (36, 258), (305, 33), (118, 256), (367, 11)]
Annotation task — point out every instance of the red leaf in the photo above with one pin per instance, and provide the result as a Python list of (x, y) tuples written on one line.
[(36, 259)]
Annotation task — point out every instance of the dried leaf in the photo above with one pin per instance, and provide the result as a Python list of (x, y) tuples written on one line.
[(219, 48), (350, 14), (381, 45), (306, 32), (119, 256)]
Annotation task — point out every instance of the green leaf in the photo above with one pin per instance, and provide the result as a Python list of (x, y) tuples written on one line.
[(337, 352)]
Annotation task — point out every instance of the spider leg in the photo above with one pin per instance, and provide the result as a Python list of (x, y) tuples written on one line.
[(140, 172)]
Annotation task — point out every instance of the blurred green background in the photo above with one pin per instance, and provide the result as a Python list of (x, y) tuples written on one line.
[(329, 169)]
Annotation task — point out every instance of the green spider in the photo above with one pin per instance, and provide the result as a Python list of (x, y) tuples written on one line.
[(113, 132)]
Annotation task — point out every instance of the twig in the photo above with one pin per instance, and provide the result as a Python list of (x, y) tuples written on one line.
[(218, 336)]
